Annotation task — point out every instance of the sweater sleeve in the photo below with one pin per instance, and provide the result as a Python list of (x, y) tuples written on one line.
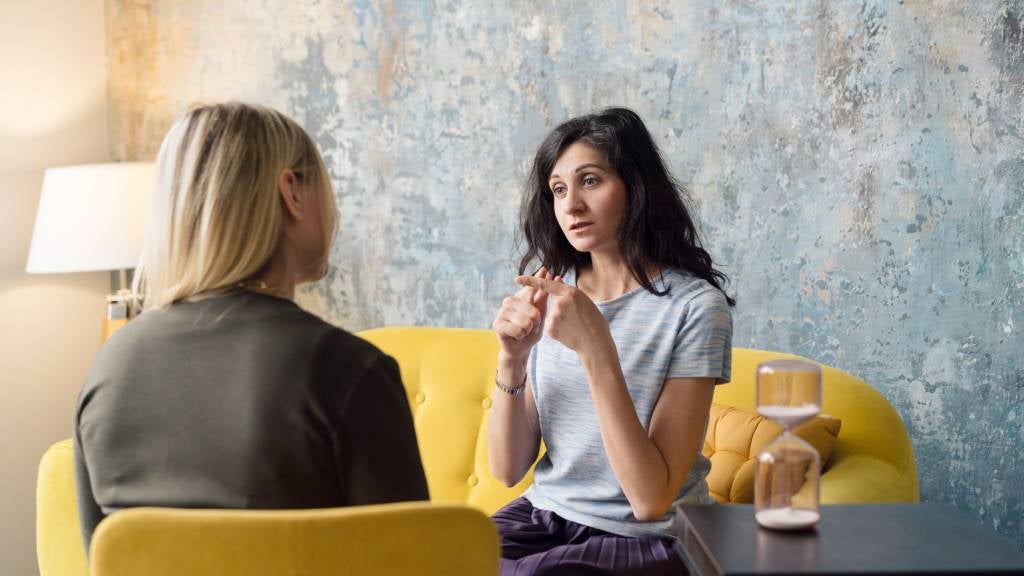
[(377, 456)]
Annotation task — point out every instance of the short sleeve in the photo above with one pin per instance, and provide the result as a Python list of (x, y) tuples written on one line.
[(703, 341)]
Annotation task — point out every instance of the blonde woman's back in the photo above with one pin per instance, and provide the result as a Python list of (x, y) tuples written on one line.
[(241, 401)]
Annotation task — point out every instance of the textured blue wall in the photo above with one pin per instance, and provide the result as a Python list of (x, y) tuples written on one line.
[(857, 167)]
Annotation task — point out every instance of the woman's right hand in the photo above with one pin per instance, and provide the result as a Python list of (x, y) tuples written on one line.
[(520, 321)]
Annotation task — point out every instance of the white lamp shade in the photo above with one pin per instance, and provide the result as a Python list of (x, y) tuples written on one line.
[(91, 217)]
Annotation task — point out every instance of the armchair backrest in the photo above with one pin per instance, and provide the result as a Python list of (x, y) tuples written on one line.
[(384, 540)]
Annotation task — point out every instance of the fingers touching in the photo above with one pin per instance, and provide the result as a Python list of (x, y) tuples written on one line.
[(546, 284), (522, 314)]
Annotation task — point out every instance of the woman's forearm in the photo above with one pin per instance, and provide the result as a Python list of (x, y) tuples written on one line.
[(512, 436)]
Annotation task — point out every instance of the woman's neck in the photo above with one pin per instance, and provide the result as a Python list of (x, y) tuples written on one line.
[(278, 277), (607, 277)]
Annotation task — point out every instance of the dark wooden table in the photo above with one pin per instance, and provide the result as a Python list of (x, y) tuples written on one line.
[(849, 539)]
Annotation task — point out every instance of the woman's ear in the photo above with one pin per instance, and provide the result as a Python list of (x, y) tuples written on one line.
[(292, 197)]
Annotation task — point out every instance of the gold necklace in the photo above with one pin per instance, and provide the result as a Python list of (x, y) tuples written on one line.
[(263, 288)]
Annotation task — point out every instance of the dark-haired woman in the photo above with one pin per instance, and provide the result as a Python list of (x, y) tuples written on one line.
[(610, 353)]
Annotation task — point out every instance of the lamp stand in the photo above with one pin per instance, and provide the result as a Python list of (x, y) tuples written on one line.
[(119, 303)]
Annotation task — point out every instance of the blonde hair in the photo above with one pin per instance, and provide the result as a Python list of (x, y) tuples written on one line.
[(216, 217)]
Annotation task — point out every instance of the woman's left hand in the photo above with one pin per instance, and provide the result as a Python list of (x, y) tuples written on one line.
[(572, 317)]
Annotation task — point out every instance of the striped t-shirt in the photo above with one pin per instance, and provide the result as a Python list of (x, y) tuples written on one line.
[(686, 333)]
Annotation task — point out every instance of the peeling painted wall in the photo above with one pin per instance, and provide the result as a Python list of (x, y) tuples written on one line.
[(857, 167)]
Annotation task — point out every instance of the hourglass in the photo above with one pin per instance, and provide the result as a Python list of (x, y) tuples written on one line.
[(786, 477)]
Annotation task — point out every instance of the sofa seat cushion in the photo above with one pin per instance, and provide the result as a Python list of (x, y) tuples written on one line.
[(735, 436)]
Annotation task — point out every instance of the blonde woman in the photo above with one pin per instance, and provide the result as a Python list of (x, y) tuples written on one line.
[(224, 393)]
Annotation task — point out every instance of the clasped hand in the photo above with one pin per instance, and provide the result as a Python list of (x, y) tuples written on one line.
[(546, 304)]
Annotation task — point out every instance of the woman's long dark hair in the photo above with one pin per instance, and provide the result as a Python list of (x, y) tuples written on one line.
[(656, 228)]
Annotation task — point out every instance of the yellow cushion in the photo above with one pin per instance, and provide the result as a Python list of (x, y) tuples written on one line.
[(734, 438)]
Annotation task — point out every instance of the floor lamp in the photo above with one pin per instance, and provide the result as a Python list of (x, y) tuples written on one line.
[(92, 218)]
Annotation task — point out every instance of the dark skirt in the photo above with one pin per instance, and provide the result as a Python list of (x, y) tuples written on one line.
[(539, 542)]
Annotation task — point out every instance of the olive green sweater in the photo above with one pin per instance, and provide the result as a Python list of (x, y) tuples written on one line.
[(241, 401)]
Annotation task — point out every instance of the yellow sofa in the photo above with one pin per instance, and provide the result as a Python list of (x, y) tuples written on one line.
[(449, 379)]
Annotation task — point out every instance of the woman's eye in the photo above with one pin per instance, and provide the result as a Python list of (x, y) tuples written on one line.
[(558, 191), (590, 181)]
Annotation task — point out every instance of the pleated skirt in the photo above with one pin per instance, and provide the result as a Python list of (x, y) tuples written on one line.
[(539, 543)]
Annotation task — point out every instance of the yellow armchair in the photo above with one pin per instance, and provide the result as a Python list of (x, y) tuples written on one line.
[(449, 379), (60, 550)]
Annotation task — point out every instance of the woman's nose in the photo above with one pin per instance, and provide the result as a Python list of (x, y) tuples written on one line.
[(573, 202)]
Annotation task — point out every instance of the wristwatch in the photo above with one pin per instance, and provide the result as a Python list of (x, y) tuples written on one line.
[(507, 389)]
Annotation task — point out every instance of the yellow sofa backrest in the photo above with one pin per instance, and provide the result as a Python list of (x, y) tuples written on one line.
[(449, 379)]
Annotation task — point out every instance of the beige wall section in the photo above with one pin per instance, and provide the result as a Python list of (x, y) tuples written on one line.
[(52, 112)]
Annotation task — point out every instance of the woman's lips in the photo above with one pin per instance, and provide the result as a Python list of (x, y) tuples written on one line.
[(580, 226)]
